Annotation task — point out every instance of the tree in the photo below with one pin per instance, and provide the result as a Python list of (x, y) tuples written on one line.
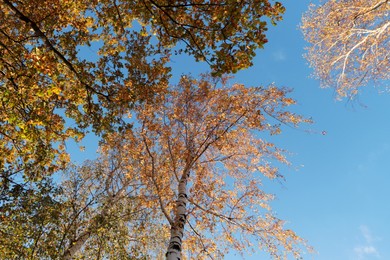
[(50, 91), (200, 156), (104, 217), (30, 220), (349, 43), (189, 170), (94, 213)]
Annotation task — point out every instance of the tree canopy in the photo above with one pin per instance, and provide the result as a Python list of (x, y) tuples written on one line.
[(197, 151), (349, 43), (181, 165), (51, 91), (94, 213), (189, 172)]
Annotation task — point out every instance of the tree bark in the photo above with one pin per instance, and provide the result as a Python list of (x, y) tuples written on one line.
[(76, 246), (177, 229)]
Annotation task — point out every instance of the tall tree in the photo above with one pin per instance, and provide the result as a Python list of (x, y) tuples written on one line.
[(187, 176), (202, 155), (193, 154), (349, 43), (51, 91)]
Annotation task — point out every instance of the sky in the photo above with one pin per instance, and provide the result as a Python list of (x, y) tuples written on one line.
[(336, 193), (337, 190)]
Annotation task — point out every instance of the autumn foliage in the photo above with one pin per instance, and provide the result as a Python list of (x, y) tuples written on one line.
[(46, 81), (197, 151), (181, 165), (349, 43)]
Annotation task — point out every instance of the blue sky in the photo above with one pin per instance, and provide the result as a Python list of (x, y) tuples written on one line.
[(336, 198), (336, 192)]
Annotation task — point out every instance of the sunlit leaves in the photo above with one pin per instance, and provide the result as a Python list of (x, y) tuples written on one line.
[(206, 134), (30, 217), (71, 66), (349, 43), (94, 212), (48, 82)]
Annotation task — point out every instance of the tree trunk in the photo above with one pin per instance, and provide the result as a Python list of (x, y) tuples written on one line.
[(177, 229), (76, 246)]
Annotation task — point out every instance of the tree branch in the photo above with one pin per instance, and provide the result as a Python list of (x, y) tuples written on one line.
[(51, 46), (171, 222)]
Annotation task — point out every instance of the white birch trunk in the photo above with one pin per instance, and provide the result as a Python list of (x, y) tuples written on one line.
[(177, 229)]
